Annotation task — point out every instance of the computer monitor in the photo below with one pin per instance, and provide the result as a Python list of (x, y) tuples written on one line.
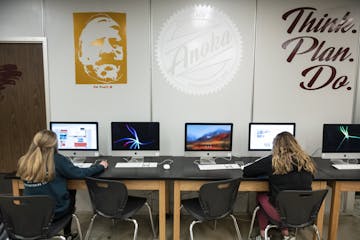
[(341, 141), (208, 140), (77, 139), (261, 135), (135, 139)]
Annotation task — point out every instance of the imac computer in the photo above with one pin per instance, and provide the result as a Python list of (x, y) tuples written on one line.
[(135, 139), (208, 141), (261, 135), (77, 139), (341, 141)]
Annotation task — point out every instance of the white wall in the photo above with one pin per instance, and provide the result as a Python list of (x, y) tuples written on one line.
[(278, 95), (21, 18), (265, 87)]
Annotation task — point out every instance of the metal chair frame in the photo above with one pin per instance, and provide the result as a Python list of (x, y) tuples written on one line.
[(116, 207), (227, 189), (316, 199)]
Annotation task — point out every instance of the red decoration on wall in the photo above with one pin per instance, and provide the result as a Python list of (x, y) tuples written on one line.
[(9, 74)]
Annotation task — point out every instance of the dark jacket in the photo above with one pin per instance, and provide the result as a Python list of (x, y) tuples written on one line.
[(57, 188), (291, 181)]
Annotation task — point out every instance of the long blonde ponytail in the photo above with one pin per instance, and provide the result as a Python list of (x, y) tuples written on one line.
[(37, 165)]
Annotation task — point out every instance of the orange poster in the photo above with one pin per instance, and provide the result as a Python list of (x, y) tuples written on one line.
[(100, 48)]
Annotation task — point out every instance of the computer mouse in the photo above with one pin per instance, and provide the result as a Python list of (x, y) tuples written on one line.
[(166, 166)]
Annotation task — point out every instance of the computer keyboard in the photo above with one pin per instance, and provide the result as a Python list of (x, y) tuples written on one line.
[(136, 165), (218, 166), (347, 166)]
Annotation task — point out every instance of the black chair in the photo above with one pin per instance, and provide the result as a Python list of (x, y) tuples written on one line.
[(109, 199), (298, 209), (216, 201), (3, 234), (30, 217)]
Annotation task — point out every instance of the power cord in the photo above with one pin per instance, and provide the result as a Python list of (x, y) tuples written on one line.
[(168, 161), (197, 161)]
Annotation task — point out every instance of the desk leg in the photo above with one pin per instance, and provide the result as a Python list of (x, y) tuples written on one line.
[(176, 226), (320, 220), (15, 187), (320, 217), (162, 211), (167, 197), (334, 211)]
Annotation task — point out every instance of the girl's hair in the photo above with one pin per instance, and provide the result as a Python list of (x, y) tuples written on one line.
[(289, 156), (37, 165)]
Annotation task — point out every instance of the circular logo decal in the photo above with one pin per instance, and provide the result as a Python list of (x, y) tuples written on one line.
[(199, 50)]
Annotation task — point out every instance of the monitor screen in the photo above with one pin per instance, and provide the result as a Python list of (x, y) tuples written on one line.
[(261, 135), (135, 138), (208, 138), (77, 138), (341, 141)]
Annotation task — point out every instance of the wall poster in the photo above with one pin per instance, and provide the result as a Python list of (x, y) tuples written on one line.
[(100, 48)]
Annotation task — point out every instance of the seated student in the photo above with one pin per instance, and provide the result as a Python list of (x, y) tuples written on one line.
[(44, 172), (289, 168)]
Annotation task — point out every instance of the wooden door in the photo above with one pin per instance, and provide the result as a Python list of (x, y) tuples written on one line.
[(22, 100)]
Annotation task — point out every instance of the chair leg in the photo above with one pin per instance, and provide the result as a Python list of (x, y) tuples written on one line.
[(87, 235), (252, 221), (78, 226), (268, 227), (136, 226), (215, 223), (191, 229), (317, 231), (236, 227), (151, 219)]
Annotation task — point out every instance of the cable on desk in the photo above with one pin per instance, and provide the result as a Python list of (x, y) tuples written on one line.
[(197, 161), (169, 161)]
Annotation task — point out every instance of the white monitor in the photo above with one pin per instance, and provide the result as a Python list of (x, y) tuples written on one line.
[(208, 140), (77, 139), (261, 135), (135, 139), (341, 141)]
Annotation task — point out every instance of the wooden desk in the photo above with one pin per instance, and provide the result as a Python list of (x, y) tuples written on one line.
[(337, 188), (339, 181), (245, 185), (158, 185)]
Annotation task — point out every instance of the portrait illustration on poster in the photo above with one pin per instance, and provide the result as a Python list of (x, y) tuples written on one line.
[(100, 48)]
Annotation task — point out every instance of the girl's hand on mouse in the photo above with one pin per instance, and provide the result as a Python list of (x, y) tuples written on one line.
[(104, 163)]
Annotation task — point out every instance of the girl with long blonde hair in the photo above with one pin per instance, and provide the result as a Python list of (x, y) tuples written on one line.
[(45, 172), (288, 168)]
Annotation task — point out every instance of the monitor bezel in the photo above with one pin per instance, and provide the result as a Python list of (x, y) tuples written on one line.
[(267, 123), (338, 154), (73, 152), (135, 152), (209, 153)]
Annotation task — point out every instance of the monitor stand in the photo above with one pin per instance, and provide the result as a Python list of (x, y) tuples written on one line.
[(345, 161), (352, 160), (136, 159), (207, 160)]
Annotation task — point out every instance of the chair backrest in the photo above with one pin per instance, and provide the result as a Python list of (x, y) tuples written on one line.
[(217, 198), (27, 217), (299, 208), (108, 197)]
